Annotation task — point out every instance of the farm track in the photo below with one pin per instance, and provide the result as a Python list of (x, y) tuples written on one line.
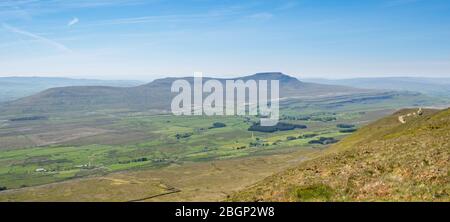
[(155, 196)]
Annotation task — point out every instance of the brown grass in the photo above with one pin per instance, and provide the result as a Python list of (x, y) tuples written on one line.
[(385, 161), (207, 181)]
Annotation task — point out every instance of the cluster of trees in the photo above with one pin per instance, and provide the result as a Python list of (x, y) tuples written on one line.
[(324, 141), (307, 136), (291, 138), (2, 188), (218, 125), (304, 136), (143, 159), (28, 118), (346, 128), (304, 118), (256, 144), (324, 118), (241, 147), (183, 135), (279, 127), (321, 116)]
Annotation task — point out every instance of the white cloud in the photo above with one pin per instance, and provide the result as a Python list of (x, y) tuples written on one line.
[(17, 9), (39, 38), (73, 22), (214, 14)]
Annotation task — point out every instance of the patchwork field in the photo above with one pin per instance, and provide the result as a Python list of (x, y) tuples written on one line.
[(153, 157), (193, 181), (76, 150)]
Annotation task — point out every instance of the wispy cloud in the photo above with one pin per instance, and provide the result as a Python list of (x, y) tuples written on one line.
[(156, 18), (73, 22), (96, 3), (213, 14), (12, 9), (69, 4), (39, 38), (207, 16)]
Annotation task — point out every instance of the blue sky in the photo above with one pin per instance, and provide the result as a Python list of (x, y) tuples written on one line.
[(147, 39)]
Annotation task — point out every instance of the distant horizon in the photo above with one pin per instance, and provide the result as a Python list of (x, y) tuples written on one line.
[(218, 76), (109, 39)]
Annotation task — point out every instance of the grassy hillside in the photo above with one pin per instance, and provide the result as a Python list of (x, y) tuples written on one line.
[(12, 88), (157, 96), (384, 161), (153, 96), (69, 133)]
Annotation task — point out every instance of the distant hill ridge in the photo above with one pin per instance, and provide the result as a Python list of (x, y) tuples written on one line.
[(155, 95), (430, 86), (12, 88)]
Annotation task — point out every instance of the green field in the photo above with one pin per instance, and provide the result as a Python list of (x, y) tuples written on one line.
[(18, 166), (68, 146)]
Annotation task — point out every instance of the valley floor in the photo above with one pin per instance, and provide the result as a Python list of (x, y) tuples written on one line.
[(115, 155), (205, 181)]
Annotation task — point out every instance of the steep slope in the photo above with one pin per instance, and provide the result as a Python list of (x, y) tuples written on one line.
[(385, 161), (155, 95)]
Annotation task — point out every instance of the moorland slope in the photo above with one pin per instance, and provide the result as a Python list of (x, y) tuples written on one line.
[(384, 161), (152, 96)]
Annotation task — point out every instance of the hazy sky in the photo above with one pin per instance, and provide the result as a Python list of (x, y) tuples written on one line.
[(146, 39)]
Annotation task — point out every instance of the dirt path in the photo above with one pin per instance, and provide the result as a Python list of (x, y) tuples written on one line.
[(402, 118)]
